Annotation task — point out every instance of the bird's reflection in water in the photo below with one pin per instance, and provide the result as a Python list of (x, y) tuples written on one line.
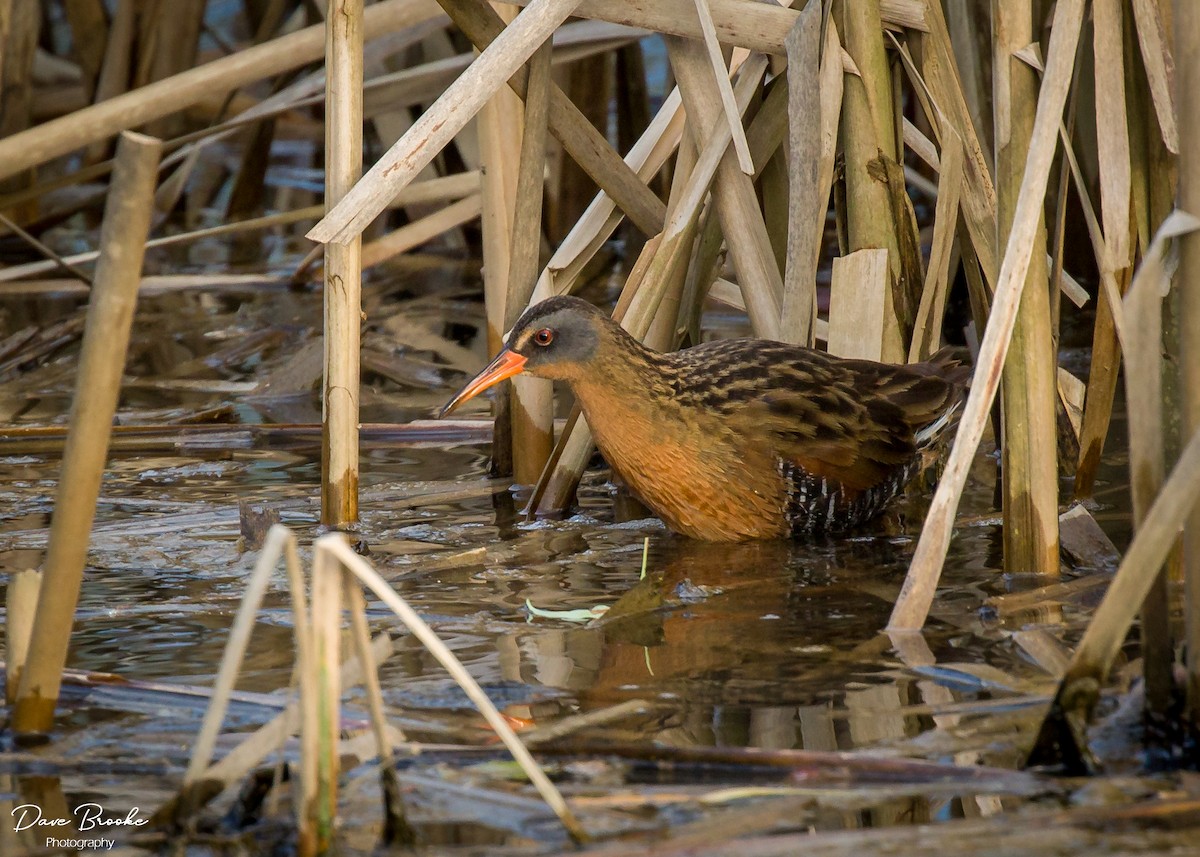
[(726, 635)]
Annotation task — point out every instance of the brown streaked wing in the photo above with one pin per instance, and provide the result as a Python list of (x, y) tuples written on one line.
[(852, 422), (854, 443)]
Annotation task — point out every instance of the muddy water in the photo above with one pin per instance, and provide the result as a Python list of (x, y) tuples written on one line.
[(771, 645)]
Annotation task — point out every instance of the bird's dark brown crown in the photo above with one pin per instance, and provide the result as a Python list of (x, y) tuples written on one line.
[(560, 305)]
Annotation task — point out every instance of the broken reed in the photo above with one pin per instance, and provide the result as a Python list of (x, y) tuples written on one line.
[(337, 579)]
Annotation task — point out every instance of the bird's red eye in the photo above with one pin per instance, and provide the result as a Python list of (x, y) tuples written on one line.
[(544, 336)]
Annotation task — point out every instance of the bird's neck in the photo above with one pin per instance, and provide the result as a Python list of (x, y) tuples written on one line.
[(628, 397), (623, 375)]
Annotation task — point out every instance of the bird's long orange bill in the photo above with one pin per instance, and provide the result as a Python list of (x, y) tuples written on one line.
[(505, 365)]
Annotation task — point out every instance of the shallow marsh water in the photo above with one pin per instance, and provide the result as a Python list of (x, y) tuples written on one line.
[(766, 645)]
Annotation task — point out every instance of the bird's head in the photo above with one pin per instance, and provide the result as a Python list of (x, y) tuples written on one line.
[(557, 338)]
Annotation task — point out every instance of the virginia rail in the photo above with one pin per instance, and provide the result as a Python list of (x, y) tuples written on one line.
[(743, 438)]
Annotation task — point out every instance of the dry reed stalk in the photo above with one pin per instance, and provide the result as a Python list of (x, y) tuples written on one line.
[(54, 261), (167, 44), (20, 608), (89, 31), (19, 25), (98, 386), (385, 93), (239, 762), (304, 711), (555, 490), (1154, 170), (760, 27), (812, 116), (1143, 348), (1113, 282), (1159, 67), (444, 188), (1029, 467), (499, 136), (1107, 335), (1071, 392), (970, 38), (421, 231), (1113, 143), (151, 285), (532, 439), (921, 583), (115, 73), (657, 266), (1063, 735), (343, 266), (498, 127), (234, 654), (940, 74), (733, 191), (601, 218), (396, 828), (858, 305), (1187, 43), (662, 334), (927, 326), (1068, 452), (336, 547), (1143, 395), (320, 748), (1044, 649), (702, 275), (1155, 176), (100, 121), (724, 90), (443, 120), (387, 108), (775, 190), (585, 239), (581, 140), (1101, 392), (440, 189), (921, 146), (588, 83), (768, 129), (869, 143), (203, 781)]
